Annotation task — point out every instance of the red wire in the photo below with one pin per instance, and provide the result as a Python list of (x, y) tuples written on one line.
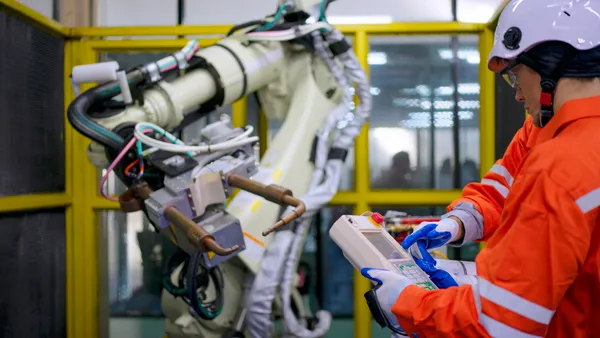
[(131, 165)]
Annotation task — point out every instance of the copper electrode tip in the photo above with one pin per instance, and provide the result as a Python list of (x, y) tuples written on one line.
[(196, 233), (273, 193)]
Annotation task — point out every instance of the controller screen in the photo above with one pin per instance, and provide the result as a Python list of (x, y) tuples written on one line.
[(383, 245)]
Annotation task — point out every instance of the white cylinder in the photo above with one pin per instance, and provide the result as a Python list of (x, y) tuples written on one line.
[(259, 63), (98, 72), (127, 98), (186, 93)]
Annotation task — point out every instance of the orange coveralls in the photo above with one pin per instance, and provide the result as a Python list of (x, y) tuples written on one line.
[(539, 275)]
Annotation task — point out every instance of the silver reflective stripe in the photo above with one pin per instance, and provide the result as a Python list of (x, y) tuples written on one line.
[(502, 171), (499, 330), (499, 186), (476, 296), (589, 201), (514, 303)]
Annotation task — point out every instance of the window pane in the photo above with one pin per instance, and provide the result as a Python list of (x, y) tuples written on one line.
[(134, 260), (412, 79), (465, 253)]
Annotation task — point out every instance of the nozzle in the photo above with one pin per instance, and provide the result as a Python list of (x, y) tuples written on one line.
[(299, 209), (273, 193)]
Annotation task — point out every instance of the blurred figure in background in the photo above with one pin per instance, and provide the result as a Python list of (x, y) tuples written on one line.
[(399, 176), (469, 172), (446, 179)]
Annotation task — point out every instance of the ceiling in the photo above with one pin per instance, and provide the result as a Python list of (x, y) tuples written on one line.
[(159, 12)]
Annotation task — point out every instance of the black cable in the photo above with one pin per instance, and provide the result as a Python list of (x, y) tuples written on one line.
[(205, 310), (78, 112), (180, 12), (174, 261), (251, 23)]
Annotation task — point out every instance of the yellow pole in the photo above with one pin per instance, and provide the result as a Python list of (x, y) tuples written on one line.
[(90, 229), (487, 123), (82, 273), (263, 132), (238, 113), (362, 315), (69, 212), (487, 99)]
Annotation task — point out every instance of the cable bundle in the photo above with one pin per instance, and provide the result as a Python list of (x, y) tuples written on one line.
[(192, 284)]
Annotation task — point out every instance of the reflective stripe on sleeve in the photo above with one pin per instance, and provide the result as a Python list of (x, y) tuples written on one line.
[(500, 330), (497, 185), (589, 201), (502, 171), (514, 303)]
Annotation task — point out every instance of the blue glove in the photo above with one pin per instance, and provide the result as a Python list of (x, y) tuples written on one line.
[(435, 234), (389, 285), (441, 278)]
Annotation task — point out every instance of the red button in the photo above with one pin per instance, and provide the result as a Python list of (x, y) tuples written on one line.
[(377, 218)]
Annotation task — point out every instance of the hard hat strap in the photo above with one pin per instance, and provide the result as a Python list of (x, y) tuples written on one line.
[(549, 81)]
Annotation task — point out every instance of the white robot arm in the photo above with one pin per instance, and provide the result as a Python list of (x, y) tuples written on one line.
[(302, 72)]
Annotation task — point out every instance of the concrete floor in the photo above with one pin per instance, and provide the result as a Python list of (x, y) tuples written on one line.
[(154, 328)]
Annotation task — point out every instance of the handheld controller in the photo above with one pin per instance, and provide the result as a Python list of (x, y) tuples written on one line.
[(366, 244)]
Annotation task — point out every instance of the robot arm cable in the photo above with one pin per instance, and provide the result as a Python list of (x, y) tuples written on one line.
[(322, 192), (179, 147)]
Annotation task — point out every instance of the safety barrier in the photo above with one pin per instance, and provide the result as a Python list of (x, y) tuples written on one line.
[(81, 198)]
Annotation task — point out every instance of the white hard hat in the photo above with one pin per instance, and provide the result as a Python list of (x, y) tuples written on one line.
[(524, 24)]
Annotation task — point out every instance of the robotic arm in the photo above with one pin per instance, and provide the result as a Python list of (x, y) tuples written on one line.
[(302, 72)]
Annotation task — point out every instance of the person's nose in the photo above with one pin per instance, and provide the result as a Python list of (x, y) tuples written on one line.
[(519, 95)]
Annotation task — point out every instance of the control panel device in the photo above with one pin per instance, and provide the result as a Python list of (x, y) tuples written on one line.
[(366, 243)]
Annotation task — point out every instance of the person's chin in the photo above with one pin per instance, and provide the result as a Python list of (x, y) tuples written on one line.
[(536, 119)]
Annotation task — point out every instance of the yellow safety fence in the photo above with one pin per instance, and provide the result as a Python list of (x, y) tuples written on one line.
[(81, 196)]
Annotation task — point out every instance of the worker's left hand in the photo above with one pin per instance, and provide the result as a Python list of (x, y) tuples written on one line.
[(441, 278), (390, 286)]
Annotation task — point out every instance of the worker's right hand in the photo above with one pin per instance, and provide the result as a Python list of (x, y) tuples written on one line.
[(435, 234)]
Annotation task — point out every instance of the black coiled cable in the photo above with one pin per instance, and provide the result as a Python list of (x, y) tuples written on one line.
[(193, 280)]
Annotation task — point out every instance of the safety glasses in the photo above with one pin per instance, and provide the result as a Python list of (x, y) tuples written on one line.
[(509, 75)]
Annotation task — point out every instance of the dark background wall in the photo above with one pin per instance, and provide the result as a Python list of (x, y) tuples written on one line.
[(32, 160), (510, 115)]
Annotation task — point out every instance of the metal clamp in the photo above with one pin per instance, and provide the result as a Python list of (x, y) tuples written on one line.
[(153, 72), (182, 62)]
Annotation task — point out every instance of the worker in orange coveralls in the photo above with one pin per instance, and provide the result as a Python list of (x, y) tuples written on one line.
[(537, 208)]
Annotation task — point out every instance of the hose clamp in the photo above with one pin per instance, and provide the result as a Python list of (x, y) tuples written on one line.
[(153, 72), (181, 60)]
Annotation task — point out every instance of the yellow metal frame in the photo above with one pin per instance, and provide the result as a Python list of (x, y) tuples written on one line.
[(81, 198)]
